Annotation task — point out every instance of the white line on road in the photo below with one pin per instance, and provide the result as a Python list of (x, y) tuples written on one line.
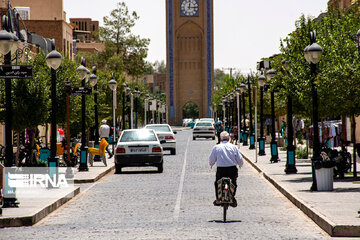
[(181, 185)]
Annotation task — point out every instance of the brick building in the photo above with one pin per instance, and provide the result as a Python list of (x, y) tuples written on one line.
[(84, 29), (50, 23)]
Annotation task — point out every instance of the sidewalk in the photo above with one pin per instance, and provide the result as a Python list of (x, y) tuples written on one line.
[(336, 212), (32, 210)]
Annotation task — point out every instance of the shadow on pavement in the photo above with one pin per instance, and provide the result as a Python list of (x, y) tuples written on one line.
[(138, 172), (221, 221)]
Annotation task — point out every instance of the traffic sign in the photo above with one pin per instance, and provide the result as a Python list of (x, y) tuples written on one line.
[(81, 90), (16, 71)]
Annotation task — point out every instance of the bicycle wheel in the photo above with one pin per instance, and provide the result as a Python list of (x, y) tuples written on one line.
[(225, 207)]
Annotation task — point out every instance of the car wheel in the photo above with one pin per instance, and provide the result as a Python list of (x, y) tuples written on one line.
[(194, 138), (213, 138), (161, 168), (173, 151), (117, 169)]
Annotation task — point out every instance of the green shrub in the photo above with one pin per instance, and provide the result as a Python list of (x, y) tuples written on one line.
[(301, 153)]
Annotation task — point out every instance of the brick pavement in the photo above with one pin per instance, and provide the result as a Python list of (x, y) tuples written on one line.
[(32, 210), (335, 211)]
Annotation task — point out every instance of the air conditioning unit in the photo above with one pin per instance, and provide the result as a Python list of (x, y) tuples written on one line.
[(24, 12)]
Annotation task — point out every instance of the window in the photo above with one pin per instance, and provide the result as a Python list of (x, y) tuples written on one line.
[(159, 128), (136, 136)]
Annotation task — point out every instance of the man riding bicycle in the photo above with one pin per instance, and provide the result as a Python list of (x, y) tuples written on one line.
[(226, 156)]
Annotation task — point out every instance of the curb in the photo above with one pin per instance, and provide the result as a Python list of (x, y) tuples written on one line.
[(31, 220), (324, 223), (92, 180)]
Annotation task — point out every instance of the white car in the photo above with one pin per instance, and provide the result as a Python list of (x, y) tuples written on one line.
[(207, 120), (164, 132), (138, 147), (204, 129)]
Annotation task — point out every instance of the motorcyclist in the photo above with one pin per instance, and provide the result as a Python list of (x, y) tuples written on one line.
[(226, 156)]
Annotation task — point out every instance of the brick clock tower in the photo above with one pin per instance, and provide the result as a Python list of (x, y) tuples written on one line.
[(190, 58)]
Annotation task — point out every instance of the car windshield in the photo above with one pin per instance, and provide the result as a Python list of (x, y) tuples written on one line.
[(162, 128), (135, 136), (200, 124)]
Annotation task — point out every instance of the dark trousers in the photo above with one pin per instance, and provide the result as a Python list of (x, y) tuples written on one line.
[(218, 136), (107, 147), (230, 172)]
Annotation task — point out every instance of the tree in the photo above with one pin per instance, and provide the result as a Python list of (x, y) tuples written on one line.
[(160, 66), (119, 41)]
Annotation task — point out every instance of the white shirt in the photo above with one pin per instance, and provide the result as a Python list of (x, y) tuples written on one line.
[(225, 154), (104, 131)]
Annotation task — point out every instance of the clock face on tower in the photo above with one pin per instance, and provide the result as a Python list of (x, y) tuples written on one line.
[(189, 8)]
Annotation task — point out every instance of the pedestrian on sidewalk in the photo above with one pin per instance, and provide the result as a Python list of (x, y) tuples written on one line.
[(219, 128), (104, 132), (226, 156)]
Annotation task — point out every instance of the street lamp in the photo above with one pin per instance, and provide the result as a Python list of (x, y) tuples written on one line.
[(252, 136), (136, 94), (238, 108), (244, 132), (83, 75), (261, 81), (53, 60), (123, 105), (129, 94), (93, 83), (274, 150), (228, 100), (113, 85), (223, 100), (146, 106), (7, 43), (290, 149), (313, 55)]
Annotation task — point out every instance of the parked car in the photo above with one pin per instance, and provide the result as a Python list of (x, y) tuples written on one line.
[(204, 129), (137, 148), (164, 132)]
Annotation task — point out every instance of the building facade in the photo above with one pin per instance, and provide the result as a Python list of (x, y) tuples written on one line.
[(50, 23), (85, 29), (189, 30)]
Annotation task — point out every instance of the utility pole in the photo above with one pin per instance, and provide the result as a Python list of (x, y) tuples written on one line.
[(230, 69)]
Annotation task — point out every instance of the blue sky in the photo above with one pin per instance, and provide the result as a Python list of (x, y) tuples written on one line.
[(244, 31)]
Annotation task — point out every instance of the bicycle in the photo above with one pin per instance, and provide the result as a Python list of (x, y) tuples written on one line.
[(225, 194)]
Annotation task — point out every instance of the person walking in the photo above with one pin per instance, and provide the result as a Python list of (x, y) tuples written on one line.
[(219, 128), (226, 156), (104, 132)]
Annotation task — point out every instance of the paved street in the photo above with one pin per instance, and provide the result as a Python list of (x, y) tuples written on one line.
[(177, 204)]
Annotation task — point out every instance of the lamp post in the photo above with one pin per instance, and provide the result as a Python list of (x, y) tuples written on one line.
[(93, 83), (223, 108), (53, 60), (238, 114), (228, 100), (251, 134), (129, 98), (234, 115), (290, 149), (273, 145), (313, 54), (123, 105), (83, 75), (145, 108), (244, 131), (113, 85), (261, 81), (7, 43), (136, 94)]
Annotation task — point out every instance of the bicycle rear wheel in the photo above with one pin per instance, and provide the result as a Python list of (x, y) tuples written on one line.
[(225, 207)]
